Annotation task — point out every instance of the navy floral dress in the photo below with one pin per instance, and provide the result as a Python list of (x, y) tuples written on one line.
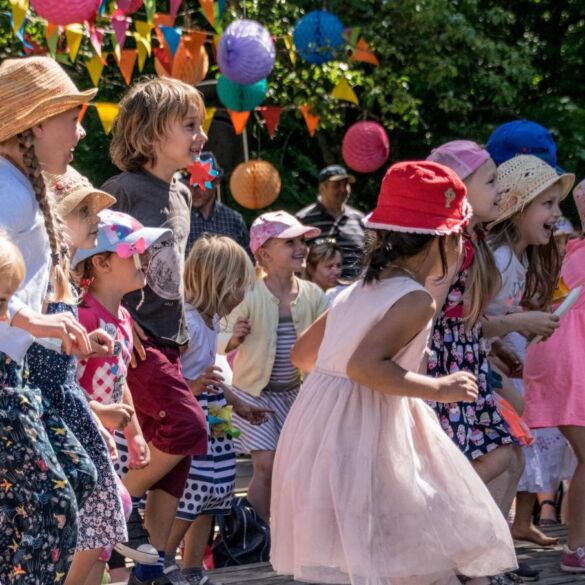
[(476, 428)]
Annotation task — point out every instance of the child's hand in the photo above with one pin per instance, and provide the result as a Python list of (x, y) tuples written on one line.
[(102, 345), (537, 323), (241, 330), (253, 414), (138, 336), (138, 452), (207, 381), (505, 360), (113, 416), (457, 387)]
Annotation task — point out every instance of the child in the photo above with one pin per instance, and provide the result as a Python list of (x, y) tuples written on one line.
[(324, 263), (364, 477), (157, 132), (555, 395), (39, 110), (218, 273), (264, 328), (527, 258)]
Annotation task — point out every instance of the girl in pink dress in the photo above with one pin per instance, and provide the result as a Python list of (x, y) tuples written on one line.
[(368, 489)]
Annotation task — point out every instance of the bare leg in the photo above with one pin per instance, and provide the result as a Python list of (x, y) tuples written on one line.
[(261, 482), (576, 517), (494, 463), (196, 541), (178, 532), (159, 516), (83, 562), (96, 574), (503, 487), (565, 502), (548, 511), (523, 528)]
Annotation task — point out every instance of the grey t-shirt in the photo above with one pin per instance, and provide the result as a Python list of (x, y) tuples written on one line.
[(156, 203)]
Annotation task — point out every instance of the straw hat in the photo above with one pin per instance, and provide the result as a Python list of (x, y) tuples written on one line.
[(33, 89), (72, 188), (522, 179)]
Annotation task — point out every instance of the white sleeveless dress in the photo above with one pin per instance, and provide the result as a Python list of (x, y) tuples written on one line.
[(367, 488)]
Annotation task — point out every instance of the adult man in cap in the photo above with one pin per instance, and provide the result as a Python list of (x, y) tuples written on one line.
[(335, 218), (211, 216)]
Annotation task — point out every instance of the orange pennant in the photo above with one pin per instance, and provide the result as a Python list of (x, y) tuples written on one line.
[(271, 115), (363, 53), (239, 120), (126, 63), (82, 113), (311, 120), (193, 41), (161, 19), (207, 8)]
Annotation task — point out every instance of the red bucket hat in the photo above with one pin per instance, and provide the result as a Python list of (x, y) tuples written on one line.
[(421, 197)]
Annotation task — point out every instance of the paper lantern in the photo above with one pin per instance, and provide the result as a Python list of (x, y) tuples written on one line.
[(238, 97), (129, 6), (365, 147), (186, 67), (64, 12), (318, 36), (245, 53), (255, 184)]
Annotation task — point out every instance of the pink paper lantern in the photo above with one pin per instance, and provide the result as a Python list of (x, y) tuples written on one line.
[(64, 12), (365, 147), (129, 6)]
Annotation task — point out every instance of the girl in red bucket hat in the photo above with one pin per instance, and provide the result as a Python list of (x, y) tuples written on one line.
[(364, 487)]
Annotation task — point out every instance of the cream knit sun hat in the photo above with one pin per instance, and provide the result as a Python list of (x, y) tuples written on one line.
[(33, 89), (522, 179)]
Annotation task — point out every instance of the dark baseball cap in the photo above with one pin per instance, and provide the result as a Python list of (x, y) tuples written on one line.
[(335, 173), (522, 137)]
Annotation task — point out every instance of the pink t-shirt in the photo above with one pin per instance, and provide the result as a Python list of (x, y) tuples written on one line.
[(103, 379)]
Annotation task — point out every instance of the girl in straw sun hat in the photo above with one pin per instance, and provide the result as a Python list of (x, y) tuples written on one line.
[(39, 128), (528, 260)]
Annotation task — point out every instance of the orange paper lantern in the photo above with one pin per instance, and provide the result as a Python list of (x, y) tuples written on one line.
[(186, 66), (255, 184)]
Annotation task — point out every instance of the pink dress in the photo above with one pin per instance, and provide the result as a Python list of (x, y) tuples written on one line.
[(553, 371), (367, 487)]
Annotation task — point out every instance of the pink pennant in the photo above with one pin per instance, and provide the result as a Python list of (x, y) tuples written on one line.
[(96, 36), (174, 8), (120, 25)]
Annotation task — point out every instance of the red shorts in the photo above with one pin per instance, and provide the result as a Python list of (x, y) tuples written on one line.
[(168, 413)]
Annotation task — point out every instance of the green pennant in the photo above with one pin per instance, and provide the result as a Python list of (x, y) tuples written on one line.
[(150, 7)]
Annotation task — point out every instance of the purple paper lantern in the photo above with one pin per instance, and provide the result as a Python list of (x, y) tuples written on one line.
[(245, 53), (365, 147), (318, 37), (64, 12)]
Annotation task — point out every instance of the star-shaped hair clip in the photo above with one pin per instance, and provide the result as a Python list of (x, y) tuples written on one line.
[(202, 173)]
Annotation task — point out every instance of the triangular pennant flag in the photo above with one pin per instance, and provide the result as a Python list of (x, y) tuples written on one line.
[(102, 8), (344, 91), (82, 113), (107, 111), (120, 25), (163, 59), (351, 35), (271, 115), (364, 53), (162, 19), (174, 8), (209, 113), (193, 41), (126, 63), (52, 36), (143, 34), (214, 46), (208, 12), (74, 34), (150, 8), (172, 37), (310, 120), (117, 50), (96, 36), (239, 120), (143, 51), (288, 42), (19, 8), (21, 37), (95, 66)]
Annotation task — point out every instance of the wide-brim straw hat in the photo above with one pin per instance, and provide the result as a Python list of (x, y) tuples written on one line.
[(522, 179), (33, 89), (72, 188)]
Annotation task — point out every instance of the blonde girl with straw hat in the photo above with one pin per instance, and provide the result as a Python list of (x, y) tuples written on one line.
[(39, 128), (526, 255)]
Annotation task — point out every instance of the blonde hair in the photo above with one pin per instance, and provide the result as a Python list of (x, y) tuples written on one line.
[(12, 265), (146, 111), (61, 291), (216, 267)]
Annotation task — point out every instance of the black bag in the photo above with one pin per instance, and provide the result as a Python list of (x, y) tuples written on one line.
[(243, 537)]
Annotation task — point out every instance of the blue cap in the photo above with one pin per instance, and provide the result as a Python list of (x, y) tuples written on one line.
[(522, 137), (335, 173)]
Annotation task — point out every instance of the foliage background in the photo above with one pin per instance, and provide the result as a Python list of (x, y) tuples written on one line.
[(448, 69)]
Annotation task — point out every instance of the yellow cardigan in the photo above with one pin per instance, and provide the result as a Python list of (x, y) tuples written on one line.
[(255, 357)]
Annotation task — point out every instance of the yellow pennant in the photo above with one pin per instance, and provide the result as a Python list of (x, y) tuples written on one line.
[(19, 8), (209, 113), (143, 32), (107, 112), (74, 34), (290, 47), (142, 52), (95, 66), (344, 91)]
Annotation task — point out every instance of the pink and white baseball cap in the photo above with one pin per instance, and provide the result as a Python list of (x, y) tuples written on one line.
[(462, 156), (278, 224)]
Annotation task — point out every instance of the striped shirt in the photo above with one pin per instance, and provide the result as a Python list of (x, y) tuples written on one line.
[(284, 375), (348, 230)]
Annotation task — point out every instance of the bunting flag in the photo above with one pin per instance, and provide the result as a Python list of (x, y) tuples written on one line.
[(143, 41), (95, 66), (120, 25), (82, 112), (239, 120), (311, 120), (162, 19), (271, 116), (364, 53), (344, 91), (161, 58), (96, 36), (172, 37), (174, 8), (52, 36), (351, 35), (193, 41), (107, 112), (126, 63), (288, 42), (150, 8), (74, 34), (208, 11), (19, 9), (209, 113)]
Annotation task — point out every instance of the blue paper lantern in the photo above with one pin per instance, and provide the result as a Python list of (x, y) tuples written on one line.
[(239, 97), (318, 36), (245, 53)]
